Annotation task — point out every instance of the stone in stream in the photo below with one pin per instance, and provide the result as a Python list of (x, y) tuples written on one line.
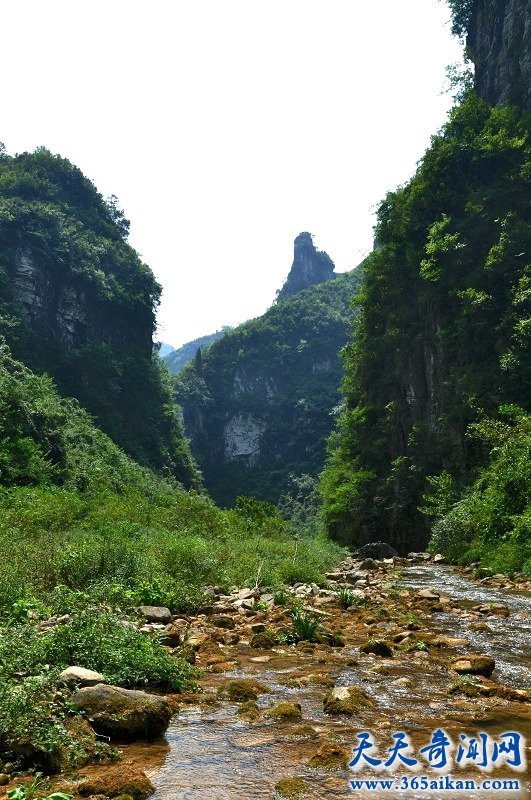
[(345, 700), (123, 714), (473, 665)]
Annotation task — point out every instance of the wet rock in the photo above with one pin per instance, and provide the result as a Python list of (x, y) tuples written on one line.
[(123, 714), (286, 711), (473, 665), (79, 676), (250, 710), (345, 700), (116, 781), (328, 637), (243, 690), (439, 559), (158, 614), (480, 626), (378, 647), (292, 788), (492, 609), (330, 756)]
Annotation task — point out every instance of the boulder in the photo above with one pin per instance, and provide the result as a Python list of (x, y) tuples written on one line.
[(377, 550), (117, 782), (79, 676), (158, 614), (473, 665), (123, 714)]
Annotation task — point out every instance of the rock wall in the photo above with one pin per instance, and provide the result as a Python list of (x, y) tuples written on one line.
[(310, 266), (59, 306), (499, 44)]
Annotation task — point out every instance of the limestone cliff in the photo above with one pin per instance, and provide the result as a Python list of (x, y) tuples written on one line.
[(499, 44), (310, 266), (258, 404)]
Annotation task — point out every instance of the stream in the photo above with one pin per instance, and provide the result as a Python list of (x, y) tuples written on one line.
[(214, 754)]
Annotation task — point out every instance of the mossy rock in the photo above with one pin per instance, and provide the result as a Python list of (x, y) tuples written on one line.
[(117, 782), (329, 637), (243, 690), (330, 756), (286, 711), (264, 640), (292, 788), (250, 710), (378, 647), (122, 714), (346, 700)]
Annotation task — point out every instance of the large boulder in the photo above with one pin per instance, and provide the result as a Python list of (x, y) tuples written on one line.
[(377, 550), (473, 665), (123, 714)]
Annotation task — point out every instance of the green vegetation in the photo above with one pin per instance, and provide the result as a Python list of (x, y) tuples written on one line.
[(90, 535), (461, 13), (277, 376), (491, 522), (178, 358), (91, 320), (442, 335)]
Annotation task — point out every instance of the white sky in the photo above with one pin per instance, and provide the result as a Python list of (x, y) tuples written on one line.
[(227, 127)]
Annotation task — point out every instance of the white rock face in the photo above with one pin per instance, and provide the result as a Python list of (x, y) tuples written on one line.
[(241, 438)]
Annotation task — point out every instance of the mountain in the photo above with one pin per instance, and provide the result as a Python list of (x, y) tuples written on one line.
[(77, 303), (176, 360), (443, 336), (310, 266), (258, 404)]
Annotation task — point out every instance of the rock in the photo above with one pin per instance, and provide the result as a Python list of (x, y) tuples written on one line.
[(223, 622), (79, 676), (345, 700), (123, 714), (250, 710), (258, 627), (286, 711), (241, 691), (473, 665), (292, 788), (439, 559), (158, 614), (175, 633), (328, 637), (419, 557), (264, 640), (427, 594), (330, 756), (377, 550), (369, 564), (115, 782), (4, 779), (492, 609), (378, 647)]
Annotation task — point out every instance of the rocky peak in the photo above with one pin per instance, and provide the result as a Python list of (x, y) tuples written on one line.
[(499, 44), (310, 266)]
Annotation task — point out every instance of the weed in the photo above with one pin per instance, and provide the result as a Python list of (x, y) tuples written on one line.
[(306, 624)]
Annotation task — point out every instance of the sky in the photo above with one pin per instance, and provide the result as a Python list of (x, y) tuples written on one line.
[(227, 127)]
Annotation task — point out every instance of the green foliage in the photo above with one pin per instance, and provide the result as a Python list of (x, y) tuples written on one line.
[(491, 522), (442, 333), (280, 374), (461, 12), (306, 624), (92, 328)]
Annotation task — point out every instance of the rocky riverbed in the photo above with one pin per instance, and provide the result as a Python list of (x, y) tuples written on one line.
[(298, 684)]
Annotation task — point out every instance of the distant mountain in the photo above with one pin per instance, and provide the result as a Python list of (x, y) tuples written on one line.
[(258, 404), (165, 349), (176, 359)]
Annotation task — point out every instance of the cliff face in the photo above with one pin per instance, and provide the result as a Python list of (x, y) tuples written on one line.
[(61, 307), (77, 303), (499, 44), (310, 266), (258, 403)]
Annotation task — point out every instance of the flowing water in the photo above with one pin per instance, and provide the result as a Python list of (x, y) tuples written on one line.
[(215, 755)]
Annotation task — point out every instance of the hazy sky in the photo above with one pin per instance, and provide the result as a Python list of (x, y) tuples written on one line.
[(227, 127)]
